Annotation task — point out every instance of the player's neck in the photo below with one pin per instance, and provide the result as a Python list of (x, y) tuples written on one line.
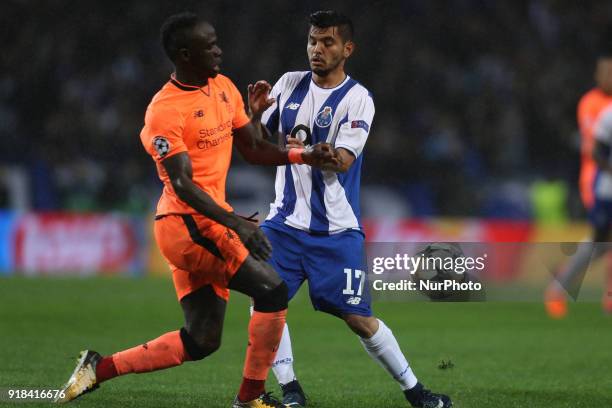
[(189, 78), (331, 80)]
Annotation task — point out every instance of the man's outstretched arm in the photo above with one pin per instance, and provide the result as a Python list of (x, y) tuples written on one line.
[(256, 149), (343, 158)]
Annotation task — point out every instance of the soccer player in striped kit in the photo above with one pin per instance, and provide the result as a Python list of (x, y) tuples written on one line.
[(314, 223)]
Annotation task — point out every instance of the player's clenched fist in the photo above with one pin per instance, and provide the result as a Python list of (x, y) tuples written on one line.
[(294, 142), (320, 155)]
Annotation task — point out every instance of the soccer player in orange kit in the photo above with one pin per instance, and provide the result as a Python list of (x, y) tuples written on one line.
[(190, 126), (593, 192)]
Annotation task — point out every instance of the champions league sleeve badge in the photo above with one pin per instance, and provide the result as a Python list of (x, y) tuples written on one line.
[(161, 145)]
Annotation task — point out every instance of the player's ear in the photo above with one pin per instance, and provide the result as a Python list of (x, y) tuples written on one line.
[(349, 47), (184, 54)]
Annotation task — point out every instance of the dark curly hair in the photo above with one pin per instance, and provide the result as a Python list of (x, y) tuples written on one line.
[(330, 18)]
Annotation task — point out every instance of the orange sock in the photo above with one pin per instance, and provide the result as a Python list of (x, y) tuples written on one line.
[(265, 331), (105, 370), (163, 352)]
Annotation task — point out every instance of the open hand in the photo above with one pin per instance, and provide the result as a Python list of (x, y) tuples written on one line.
[(259, 97)]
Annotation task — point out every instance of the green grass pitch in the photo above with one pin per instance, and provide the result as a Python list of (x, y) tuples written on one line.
[(504, 354)]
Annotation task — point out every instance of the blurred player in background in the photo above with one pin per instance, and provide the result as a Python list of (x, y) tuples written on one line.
[(314, 224), (595, 124), (190, 126)]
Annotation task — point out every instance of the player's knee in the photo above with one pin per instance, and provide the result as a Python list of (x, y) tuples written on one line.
[(272, 300), (363, 326), (200, 344)]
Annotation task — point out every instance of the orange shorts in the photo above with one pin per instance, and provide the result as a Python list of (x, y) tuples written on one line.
[(200, 252)]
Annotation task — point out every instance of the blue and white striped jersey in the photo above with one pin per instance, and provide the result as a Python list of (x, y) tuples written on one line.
[(307, 198)]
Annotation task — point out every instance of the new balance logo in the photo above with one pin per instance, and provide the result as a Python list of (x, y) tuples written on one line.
[(293, 106), (287, 360), (353, 300)]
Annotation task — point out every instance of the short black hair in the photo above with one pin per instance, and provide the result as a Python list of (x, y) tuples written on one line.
[(331, 18), (174, 32)]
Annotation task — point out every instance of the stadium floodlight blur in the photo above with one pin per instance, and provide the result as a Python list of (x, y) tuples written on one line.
[(477, 96)]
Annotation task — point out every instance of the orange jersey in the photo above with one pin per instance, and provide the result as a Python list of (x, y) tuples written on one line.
[(199, 121), (589, 108)]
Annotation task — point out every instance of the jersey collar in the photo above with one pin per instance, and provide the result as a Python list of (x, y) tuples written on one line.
[(184, 87), (340, 85)]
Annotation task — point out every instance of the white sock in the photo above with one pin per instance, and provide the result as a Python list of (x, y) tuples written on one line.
[(283, 363), (383, 348)]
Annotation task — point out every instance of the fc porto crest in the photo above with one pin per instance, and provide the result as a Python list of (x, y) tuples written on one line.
[(324, 118)]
